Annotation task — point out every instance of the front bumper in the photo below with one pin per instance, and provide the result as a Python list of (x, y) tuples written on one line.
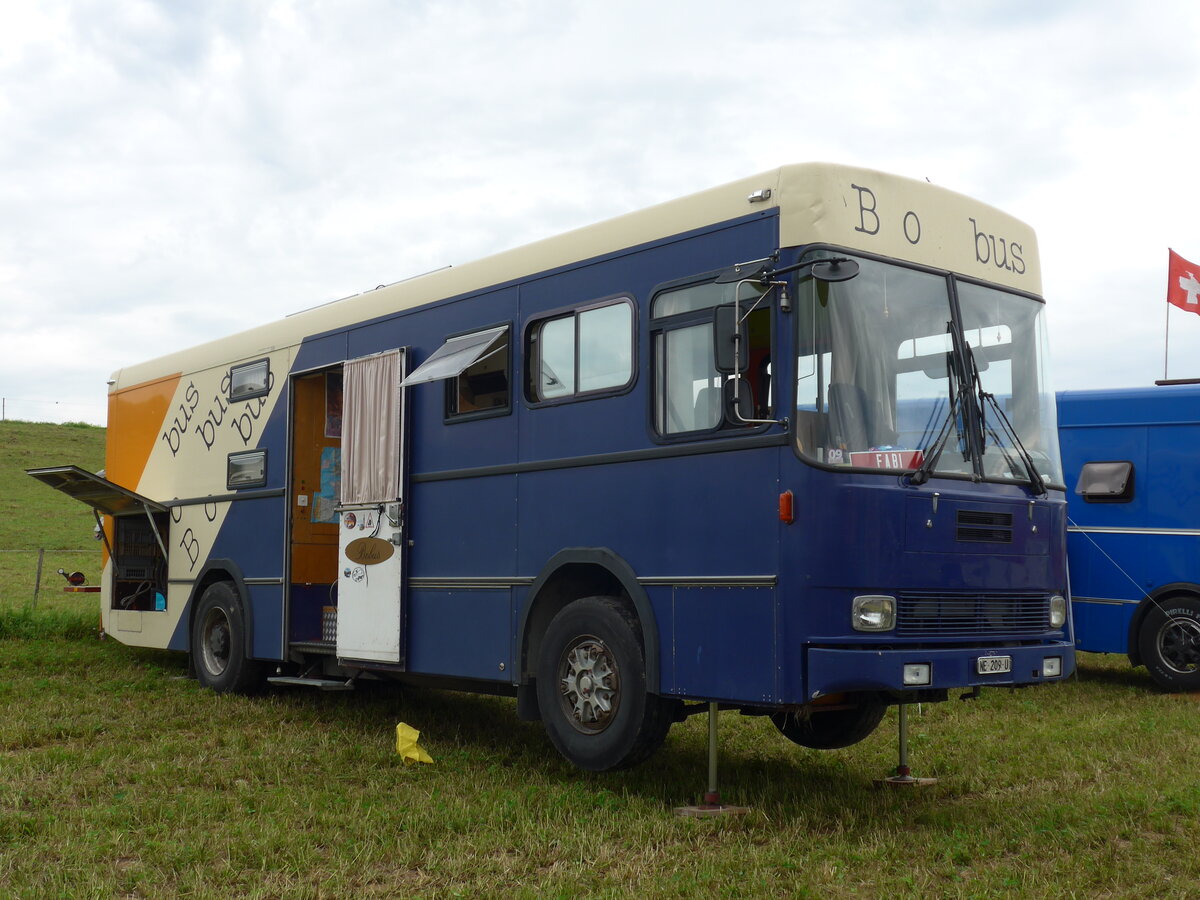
[(833, 671)]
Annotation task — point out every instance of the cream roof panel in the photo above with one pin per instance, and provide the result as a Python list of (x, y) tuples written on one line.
[(841, 205), (906, 219)]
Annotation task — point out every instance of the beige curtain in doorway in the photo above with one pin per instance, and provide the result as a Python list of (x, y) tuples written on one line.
[(371, 428)]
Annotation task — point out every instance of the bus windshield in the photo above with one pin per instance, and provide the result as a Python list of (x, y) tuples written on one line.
[(892, 374)]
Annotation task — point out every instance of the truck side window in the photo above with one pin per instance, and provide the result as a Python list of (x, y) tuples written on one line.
[(1106, 482)]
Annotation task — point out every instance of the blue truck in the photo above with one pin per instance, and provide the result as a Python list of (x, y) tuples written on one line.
[(1133, 535)]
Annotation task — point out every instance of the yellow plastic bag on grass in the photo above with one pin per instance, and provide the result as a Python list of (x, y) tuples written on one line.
[(407, 746)]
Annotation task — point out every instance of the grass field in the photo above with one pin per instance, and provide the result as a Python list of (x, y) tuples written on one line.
[(120, 777), (33, 517)]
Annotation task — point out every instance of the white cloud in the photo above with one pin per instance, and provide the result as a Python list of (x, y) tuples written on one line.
[(176, 171)]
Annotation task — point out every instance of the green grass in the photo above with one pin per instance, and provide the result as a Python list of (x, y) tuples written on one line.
[(124, 778), (34, 517), (120, 777)]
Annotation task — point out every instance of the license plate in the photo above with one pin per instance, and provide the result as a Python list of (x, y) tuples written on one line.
[(992, 665)]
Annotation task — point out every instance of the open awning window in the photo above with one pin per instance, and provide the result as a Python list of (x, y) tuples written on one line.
[(453, 358), (1106, 481), (98, 493)]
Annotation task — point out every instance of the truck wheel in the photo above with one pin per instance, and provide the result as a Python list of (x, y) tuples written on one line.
[(219, 643), (591, 686), (832, 729), (1169, 643)]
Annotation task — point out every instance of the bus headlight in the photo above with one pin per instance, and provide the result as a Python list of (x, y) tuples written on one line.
[(1058, 611), (873, 612)]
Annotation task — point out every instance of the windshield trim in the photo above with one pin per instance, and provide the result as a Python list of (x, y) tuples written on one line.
[(952, 279)]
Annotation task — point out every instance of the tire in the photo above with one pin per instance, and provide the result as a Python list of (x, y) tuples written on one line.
[(1169, 643), (591, 687), (219, 643), (833, 729)]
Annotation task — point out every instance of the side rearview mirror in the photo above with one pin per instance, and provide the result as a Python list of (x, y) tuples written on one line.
[(737, 401), (834, 269), (725, 343)]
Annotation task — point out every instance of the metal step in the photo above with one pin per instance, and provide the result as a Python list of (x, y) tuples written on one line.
[(324, 684), (328, 648)]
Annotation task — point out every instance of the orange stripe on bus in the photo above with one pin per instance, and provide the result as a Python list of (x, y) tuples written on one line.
[(135, 424)]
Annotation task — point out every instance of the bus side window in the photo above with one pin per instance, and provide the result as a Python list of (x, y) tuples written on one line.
[(585, 352), (481, 386), (690, 394)]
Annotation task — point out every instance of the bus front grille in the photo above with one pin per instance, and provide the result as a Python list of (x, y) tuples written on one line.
[(966, 614)]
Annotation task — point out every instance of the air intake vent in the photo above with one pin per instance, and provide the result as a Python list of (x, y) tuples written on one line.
[(980, 527), (962, 614)]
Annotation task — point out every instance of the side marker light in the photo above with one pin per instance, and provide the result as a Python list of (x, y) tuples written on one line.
[(787, 508)]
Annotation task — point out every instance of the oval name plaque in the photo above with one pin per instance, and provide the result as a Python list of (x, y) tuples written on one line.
[(368, 551)]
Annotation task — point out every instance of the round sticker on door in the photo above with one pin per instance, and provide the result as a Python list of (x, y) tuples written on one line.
[(369, 551)]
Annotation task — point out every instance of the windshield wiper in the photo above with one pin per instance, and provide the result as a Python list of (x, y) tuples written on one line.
[(1035, 477), (1036, 482), (925, 469), (957, 386)]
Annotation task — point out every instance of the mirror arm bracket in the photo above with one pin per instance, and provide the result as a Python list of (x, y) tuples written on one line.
[(796, 267)]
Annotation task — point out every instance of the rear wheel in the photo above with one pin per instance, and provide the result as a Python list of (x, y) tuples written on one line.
[(834, 728), (219, 643), (591, 686), (1169, 643)]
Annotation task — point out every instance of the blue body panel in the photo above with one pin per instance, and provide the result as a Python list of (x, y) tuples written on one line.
[(464, 633), (746, 609), (1122, 553), (723, 644)]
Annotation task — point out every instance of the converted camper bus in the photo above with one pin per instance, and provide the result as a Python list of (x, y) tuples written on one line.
[(741, 448)]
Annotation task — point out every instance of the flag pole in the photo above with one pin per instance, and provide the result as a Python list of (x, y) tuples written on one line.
[(1167, 329), (1167, 342)]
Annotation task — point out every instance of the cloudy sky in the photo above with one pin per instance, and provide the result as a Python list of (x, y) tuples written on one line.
[(174, 171)]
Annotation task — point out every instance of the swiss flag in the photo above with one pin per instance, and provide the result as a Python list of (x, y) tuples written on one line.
[(1183, 283)]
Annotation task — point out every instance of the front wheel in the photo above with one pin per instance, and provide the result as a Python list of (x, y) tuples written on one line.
[(1169, 643), (591, 687), (832, 729), (219, 643)]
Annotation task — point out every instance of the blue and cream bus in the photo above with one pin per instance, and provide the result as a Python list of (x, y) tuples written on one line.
[(787, 445)]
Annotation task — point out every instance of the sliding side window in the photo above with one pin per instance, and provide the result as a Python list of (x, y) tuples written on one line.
[(584, 352), (693, 384)]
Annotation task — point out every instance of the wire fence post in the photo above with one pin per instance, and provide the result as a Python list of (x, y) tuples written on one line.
[(37, 581)]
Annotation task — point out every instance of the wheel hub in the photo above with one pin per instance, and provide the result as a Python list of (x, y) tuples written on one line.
[(216, 642), (1179, 645), (589, 685)]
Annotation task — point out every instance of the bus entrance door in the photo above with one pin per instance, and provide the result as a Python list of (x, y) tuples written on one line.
[(369, 592), (370, 614)]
